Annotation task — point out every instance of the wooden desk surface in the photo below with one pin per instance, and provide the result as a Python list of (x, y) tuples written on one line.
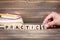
[(30, 10), (48, 34)]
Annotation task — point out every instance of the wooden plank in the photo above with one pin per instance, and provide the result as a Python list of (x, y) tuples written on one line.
[(28, 5), (30, 35), (29, 0)]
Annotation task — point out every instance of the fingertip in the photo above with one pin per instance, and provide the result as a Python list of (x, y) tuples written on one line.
[(46, 25)]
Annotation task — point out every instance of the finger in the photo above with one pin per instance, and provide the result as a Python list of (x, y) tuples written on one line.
[(50, 24), (46, 20)]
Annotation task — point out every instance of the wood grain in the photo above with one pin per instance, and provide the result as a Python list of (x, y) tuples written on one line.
[(30, 35), (30, 10)]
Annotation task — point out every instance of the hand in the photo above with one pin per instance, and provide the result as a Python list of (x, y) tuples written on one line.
[(52, 19)]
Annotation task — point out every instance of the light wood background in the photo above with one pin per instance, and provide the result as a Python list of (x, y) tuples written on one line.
[(32, 11)]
